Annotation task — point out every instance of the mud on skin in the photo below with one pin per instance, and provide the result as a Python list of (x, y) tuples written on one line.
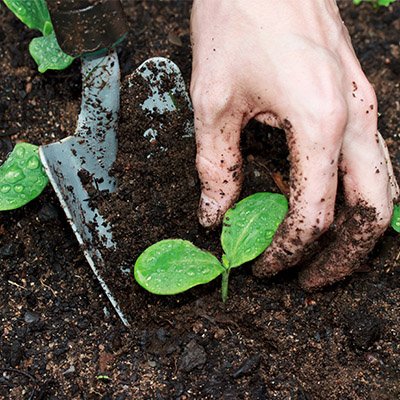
[(324, 262), (355, 232)]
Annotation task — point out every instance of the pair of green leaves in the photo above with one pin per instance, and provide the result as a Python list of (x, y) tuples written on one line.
[(45, 49), (174, 266), (22, 177)]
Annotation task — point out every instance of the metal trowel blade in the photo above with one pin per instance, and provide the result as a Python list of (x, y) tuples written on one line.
[(78, 166)]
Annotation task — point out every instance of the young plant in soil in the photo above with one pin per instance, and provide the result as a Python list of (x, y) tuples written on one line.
[(173, 266), (45, 50)]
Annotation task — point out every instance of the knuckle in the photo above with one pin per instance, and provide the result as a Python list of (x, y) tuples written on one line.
[(328, 113), (210, 100)]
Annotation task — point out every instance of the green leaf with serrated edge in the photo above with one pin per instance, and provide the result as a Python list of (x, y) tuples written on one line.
[(22, 177), (173, 266), (249, 227), (395, 223), (47, 53), (33, 13)]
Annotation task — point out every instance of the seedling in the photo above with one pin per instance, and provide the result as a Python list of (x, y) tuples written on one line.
[(22, 177), (173, 266), (45, 49), (376, 3)]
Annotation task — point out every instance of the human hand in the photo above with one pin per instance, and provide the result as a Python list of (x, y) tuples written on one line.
[(291, 65)]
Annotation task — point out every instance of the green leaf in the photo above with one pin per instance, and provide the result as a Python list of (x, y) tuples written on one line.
[(173, 266), (385, 3), (48, 54), (22, 177), (48, 28), (375, 3), (249, 227), (395, 223), (33, 13)]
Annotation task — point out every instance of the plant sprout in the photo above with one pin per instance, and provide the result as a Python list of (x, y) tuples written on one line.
[(45, 50), (173, 266)]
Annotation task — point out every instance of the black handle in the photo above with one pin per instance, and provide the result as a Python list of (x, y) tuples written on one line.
[(85, 26)]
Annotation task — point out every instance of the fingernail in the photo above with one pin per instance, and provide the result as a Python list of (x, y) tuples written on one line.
[(209, 211)]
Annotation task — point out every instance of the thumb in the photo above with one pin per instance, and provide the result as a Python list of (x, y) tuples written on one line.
[(218, 162)]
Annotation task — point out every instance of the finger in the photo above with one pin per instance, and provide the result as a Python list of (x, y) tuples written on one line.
[(394, 186), (218, 160), (314, 145), (369, 189)]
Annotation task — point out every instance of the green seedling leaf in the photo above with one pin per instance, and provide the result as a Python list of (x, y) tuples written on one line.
[(375, 3), (22, 177), (396, 218), (173, 266), (47, 53), (249, 227), (33, 13)]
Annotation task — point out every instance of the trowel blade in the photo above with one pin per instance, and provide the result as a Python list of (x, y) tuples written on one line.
[(78, 166)]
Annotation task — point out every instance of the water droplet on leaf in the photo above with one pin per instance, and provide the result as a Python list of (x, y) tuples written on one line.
[(5, 188), (19, 188), (20, 152), (14, 175), (33, 163)]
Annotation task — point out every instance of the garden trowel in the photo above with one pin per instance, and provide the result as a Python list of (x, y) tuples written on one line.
[(78, 166)]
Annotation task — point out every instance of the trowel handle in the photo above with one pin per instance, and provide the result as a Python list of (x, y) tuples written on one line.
[(87, 26)]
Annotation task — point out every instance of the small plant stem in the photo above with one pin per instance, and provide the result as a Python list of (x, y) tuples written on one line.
[(224, 286)]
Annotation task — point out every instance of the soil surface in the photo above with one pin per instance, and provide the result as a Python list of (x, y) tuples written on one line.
[(60, 338)]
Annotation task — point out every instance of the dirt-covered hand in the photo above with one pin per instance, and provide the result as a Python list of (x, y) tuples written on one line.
[(290, 64)]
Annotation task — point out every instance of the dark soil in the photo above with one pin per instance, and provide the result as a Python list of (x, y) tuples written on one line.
[(60, 338)]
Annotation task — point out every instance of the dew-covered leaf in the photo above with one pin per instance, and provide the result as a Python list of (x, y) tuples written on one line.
[(249, 227), (22, 177), (395, 223), (33, 13), (47, 53), (173, 266)]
